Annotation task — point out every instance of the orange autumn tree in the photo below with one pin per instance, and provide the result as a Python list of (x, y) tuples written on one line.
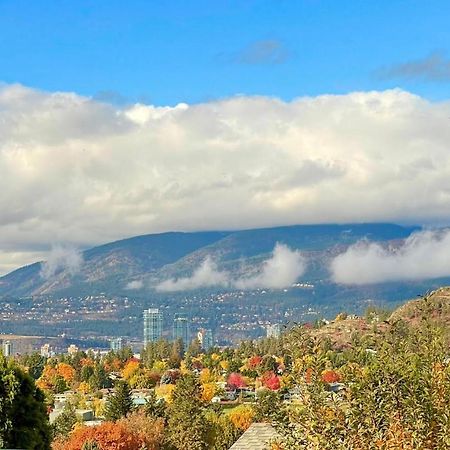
[(131, 368), (108, 436), (150, 430), (66, 371)]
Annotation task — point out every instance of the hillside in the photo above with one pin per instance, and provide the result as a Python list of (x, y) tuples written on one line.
[(433, 306), (152, 258), (108, 267)]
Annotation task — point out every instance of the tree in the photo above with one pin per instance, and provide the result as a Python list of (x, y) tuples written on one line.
[(86, 373), (268, 406), (64, 423), (99, 380), (108, 435), (120, 403), (242, 416), (23, 416), (66, 371), (35, 364), (155, 407), (271, 381), (149, 429), (222, 433), (194, 348), (187, 426), (235, 380), (176, 354)]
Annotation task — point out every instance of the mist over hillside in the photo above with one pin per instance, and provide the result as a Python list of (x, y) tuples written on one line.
[(142, 263), (233, 282)]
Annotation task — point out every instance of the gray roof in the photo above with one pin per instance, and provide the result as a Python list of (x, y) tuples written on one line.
[(257, 437)]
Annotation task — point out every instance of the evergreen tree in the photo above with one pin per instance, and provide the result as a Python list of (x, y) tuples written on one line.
[(120, 403), (86, 373), (194, 348), (176, 354), (187, 425), (155, 407), (23, 416), (64, 423), (35, 363), (99, 379)]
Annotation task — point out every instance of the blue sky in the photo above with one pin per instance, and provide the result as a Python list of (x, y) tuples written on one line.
[(179, 51)]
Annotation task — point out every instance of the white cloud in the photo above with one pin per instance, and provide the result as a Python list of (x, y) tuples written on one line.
[(83, 172), (62, 258), (135, 285), (423, 255), (207, 274), (280, 271)]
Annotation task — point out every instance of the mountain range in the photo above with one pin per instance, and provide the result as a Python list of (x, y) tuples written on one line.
[(144, 261)]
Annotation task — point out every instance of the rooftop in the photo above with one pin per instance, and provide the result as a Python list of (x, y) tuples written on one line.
[(257, 437)]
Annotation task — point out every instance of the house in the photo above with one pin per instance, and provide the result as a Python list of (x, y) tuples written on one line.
[(258, 437)]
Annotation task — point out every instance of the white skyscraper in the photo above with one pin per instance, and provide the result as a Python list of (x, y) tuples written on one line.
[(7, 348)]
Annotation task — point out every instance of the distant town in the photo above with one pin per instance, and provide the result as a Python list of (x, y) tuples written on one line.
[(152, 328)]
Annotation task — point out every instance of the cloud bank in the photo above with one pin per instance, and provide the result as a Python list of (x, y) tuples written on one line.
[(84, 172), (135, 285), (61, 258), (423, 255), (206, 275), (279, 271)]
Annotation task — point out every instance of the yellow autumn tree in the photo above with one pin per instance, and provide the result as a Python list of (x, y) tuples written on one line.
[(131, 369), (208, 391), (165, 391), (242, 416)]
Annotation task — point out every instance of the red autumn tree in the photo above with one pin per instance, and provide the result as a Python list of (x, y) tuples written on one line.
[(271, 381), (330, 376), (254, 361), (235, 380)]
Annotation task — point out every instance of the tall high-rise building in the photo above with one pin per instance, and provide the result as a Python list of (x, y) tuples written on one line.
[(7, 348), (181, 329), (205, 338), (153, 324), (273, 330)]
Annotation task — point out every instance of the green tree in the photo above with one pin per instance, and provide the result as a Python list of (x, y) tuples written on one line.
[(155, 407), (23, 416), (120, 403), (187, 425), (86, 373), (269, 406), (35, 364), (176, 354), (222, 433), (194, 348), (64, 423), (99, 379)]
